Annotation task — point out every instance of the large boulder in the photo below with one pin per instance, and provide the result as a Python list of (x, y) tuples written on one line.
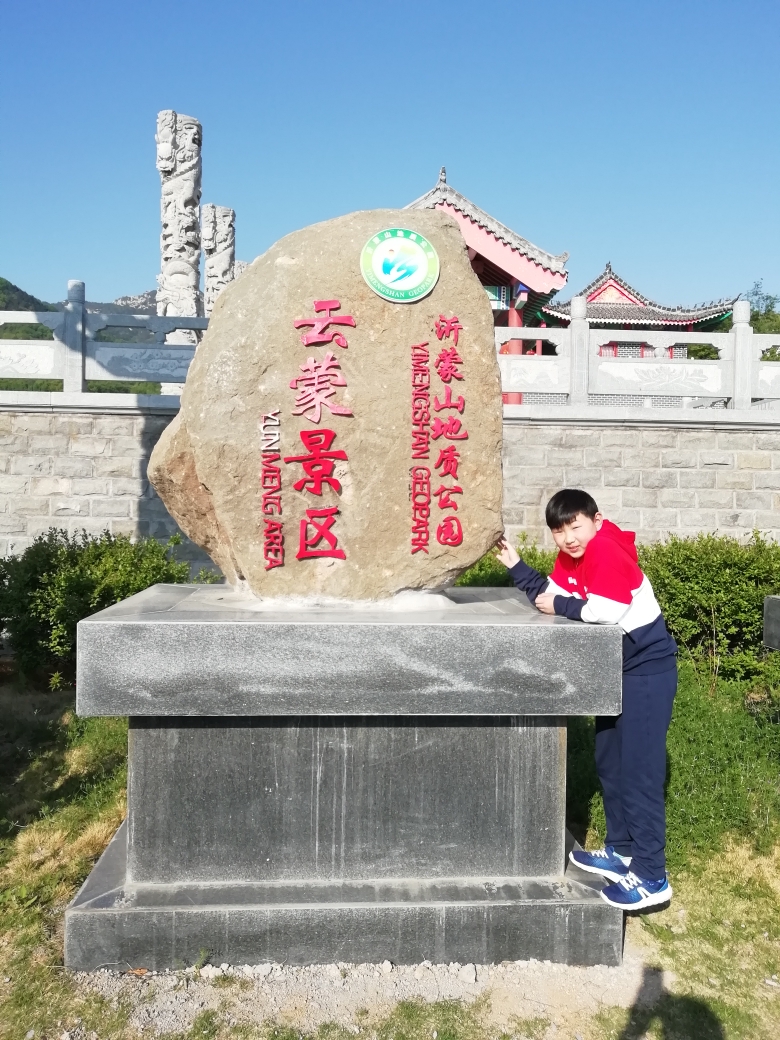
[(299, 460)]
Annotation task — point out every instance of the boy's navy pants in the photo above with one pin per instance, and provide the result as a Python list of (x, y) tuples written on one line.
[(631, 763)]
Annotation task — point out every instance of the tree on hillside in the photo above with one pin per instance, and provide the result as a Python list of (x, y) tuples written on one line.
[(12, 298), (764, 316)]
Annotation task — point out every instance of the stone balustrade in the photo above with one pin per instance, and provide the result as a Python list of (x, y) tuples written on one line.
[(76, 355), (582, 367), (648, 368), (77, 460)]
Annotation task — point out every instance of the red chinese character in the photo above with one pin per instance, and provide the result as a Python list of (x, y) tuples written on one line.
[(316, 386), (451, 429), (458, 405), (446, 365), (446, 327), (448, 459), (322, 520), (319, 325), (319, 464), (449, 531), (445, 502)]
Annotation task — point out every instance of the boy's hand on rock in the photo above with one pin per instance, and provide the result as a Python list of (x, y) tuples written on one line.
[(507, 554), (545, 603)]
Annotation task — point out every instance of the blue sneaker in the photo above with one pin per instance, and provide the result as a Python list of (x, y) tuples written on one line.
[(635, 893), (604, 861)]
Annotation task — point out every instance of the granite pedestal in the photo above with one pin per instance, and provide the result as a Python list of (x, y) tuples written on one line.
[(335, 784)]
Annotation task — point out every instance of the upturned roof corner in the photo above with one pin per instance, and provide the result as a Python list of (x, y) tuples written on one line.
[(611, 299), (444, 195)]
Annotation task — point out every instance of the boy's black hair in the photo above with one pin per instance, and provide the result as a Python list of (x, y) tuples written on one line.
[(566, 504)]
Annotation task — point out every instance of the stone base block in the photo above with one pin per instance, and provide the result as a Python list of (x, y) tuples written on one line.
[(326, 799), (113, 923)]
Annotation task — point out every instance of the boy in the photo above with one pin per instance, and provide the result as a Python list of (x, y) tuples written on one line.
[(597, 579)]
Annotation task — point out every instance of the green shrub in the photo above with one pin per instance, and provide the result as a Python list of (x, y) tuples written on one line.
[(488, 571), (711, 589), (703, 352), (61, 579)]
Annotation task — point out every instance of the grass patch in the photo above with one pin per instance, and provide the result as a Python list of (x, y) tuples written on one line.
[(723, 773), (231, 982), (93, 386), (450, 1019), (673, 1018), (119, 386), (530, 1028), (721, 936), (409, 1020), (62, 796)]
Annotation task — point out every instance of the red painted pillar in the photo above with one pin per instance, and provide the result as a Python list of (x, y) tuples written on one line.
[(514, 320)]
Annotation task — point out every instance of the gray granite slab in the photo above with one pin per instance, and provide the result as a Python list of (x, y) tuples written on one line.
[(772, 622), (205, 650), (336, 798), (113, 923)]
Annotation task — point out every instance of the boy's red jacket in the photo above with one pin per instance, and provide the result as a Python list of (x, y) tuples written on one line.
[(606, 586)]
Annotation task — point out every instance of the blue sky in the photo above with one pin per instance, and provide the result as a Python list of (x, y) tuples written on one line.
[(645, 133)]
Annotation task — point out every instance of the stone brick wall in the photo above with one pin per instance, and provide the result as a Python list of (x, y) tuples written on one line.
[(80, 471), (653, 479), (87, 471)]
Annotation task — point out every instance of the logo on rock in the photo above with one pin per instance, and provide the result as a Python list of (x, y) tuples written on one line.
[(400, 265)]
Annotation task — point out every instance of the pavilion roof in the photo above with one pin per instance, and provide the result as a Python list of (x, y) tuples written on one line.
[(444, 196), (612, 300)]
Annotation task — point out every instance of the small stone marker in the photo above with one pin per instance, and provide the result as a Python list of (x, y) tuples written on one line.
[(340, 428)]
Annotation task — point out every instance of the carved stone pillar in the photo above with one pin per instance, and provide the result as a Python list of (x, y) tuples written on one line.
[(179, 162), (179, 140), (218, 229)]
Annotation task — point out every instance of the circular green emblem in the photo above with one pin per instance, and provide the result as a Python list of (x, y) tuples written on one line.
[(399, 265)]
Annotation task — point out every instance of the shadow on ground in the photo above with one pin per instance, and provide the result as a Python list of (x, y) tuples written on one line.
[(680, 1018), (34, 741)]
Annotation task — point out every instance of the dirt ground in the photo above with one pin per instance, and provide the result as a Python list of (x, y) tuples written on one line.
[(306, 997)]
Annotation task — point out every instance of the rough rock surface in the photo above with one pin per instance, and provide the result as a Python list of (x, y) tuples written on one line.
[(207, 466)]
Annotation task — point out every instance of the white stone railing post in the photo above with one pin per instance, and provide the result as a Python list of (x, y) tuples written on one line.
[(72, 332), (578, 351), (743, 355)]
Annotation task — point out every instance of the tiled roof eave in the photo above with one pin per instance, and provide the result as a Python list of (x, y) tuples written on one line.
[(667, 315), (642, 319), (521, 252), (443, 193)]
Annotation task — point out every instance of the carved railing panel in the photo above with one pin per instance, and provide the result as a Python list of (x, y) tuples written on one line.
[(137, 362), (657, 372), (530, 372), (766, 374), (30, 359)]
